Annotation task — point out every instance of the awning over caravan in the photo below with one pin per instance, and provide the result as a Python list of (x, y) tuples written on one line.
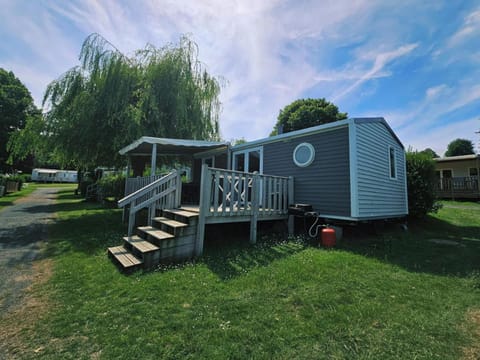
[(164, 146)]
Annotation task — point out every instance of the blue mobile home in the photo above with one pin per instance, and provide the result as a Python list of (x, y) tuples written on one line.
[(352, 170)]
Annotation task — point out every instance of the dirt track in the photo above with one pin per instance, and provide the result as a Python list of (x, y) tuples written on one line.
[(23, 231)]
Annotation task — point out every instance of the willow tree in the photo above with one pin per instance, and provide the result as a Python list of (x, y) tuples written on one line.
[(110, 99)]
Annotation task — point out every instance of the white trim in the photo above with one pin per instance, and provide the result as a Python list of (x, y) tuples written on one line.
[(245, 158), (167, 141), (352, 143), (405, 180), (458, 158), (395, 170), (294, 134), (311, 157), (213, 152), (337, 217), (153, 160), (361, 218)]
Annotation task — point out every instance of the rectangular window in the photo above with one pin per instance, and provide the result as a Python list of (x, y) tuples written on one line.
[(473, 171), (393, 166), (447, 173)]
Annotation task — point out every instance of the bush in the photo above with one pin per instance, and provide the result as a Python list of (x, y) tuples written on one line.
[(16, 178), (421, 184), (112, 186)]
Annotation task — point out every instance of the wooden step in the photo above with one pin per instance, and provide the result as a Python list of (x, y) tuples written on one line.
[(156, 235), (181, 215), (140, 244), (193, 209), (172, 226), (127, 260)]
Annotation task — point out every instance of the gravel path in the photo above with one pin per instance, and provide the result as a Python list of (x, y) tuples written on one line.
[(22, 232)]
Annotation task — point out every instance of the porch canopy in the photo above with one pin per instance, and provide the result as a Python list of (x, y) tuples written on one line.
[(153, 147)]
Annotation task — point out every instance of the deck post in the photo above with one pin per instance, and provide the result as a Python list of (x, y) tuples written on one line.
[(124, 211), (153, 164), (131, 222), (291, 198), (178, 191), (255, 203), (205, 188)]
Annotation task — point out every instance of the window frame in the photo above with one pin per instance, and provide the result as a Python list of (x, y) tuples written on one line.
[(311, 157), (392, 151)]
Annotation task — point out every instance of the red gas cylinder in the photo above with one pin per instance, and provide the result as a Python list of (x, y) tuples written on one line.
[(328, 237)]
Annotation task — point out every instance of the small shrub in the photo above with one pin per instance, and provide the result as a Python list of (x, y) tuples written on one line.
[(112, 186), (15, 178), (421, 184)]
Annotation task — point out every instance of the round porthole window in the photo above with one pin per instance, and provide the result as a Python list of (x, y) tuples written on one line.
[(303, 155)]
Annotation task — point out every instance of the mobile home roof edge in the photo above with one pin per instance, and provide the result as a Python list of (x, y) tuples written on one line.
[(317, 129), (168, 141), (292, 134)]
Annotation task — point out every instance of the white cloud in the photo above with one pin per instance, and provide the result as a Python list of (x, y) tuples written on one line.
[(435, 91), (469, 29), (380, 61), (436, 119), (271, 52)]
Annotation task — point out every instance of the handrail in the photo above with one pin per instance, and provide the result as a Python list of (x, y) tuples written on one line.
[(125, 200), (133, 184), (162, 193)]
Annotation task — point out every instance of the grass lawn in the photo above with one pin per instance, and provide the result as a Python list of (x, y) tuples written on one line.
[(398, 296), (27, 188)]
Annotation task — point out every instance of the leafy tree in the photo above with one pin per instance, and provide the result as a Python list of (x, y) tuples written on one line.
[(430, 152), (460, 147), (421, 184), (239, 141), (305, 113), (16, 108), (109, 100)]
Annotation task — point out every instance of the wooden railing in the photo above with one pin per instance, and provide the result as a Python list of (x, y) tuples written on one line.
[(136, 183), (160, 194), (458, 187), (228, 193), (236, 193)]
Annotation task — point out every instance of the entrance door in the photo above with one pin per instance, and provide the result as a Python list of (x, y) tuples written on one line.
[(250, 160)]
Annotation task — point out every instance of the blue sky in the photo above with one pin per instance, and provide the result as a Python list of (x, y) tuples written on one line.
[(416, 63)]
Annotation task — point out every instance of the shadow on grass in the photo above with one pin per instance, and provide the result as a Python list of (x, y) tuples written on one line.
[(91, 232), (90, 229), (228, 253), (5, 202), (418, 249)]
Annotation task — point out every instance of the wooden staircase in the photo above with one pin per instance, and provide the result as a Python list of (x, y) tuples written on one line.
[(171, 237)]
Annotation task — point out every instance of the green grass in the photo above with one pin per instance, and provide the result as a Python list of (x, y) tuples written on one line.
[(397, 296), (27, 189), (9, 198)]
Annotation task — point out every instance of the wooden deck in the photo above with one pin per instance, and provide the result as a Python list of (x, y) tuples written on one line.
[(458, 188), (234, 214), (226, 196)]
